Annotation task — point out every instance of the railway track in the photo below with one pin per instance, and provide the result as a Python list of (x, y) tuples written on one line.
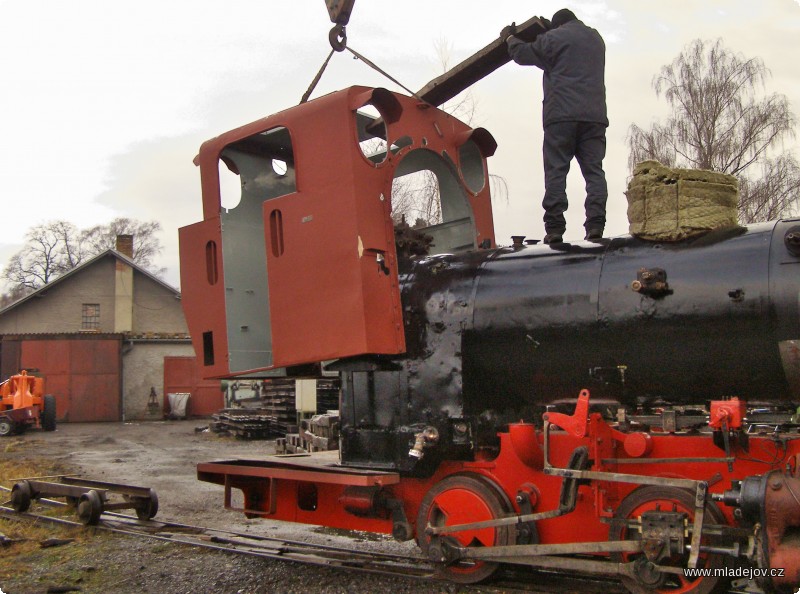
[(334, 557), (249, 544), (511, 578)]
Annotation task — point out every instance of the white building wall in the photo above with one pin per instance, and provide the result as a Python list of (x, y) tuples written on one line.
[(143, 368)]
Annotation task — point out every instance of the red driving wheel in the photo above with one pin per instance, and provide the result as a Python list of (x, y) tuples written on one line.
[(462, 499), (651, 498)]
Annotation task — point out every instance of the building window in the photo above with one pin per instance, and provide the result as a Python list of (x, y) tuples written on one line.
[(90, 316)]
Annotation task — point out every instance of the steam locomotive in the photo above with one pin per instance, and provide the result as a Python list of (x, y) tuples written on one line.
[(619, 407)]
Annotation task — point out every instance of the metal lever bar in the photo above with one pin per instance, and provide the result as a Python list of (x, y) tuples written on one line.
[(477, 66)]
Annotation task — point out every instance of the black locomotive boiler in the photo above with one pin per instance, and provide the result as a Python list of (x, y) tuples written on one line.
[(494, 336)]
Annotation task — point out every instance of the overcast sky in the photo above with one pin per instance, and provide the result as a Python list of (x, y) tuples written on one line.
[(103, 105)]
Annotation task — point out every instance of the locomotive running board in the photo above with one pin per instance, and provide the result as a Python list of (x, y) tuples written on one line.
[(319, 468)]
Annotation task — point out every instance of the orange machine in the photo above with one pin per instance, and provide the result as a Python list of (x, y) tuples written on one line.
[(23, 403)]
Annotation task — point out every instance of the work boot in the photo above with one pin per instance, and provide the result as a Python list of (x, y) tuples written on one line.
[(553, 238), (593, 234)]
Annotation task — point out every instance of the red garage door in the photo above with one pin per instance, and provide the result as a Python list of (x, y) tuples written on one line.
[(181, 374), (82, 374)]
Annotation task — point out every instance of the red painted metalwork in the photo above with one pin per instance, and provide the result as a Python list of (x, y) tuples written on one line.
[(782, 513), (183, 374), (324, 473), (203, 293), (576, 423), (83, 374), (300, 490), (362, 501), (22, 402), (525, 445), (21, 391), (461, 499), (727, 414), (330, 253), (669, 452), (638, 444), (516, 469), (651, 499)]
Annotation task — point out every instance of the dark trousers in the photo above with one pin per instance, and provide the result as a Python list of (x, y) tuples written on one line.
[(586, 141)]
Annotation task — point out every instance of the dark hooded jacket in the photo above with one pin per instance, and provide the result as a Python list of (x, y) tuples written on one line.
[(572, 57)]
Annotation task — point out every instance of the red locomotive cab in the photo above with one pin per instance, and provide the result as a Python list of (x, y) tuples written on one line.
[(304, 268)]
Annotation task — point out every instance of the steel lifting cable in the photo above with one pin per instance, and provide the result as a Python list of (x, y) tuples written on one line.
[(384, 73), (358, 56), (314, 82)]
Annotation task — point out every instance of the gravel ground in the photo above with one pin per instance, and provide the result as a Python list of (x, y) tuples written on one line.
[(163, 456)]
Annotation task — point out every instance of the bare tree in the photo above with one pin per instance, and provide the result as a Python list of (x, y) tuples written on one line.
[(53, 248), (17, 292), (774, 194), (146, 244), (721, 121), (50, 250), (464, 105), (416, 197)]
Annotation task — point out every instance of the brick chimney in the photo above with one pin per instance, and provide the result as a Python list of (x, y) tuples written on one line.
[(125, 245), (123, 287)]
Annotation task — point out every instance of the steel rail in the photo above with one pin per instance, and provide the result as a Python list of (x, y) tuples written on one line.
[(321, 555), (516, 578), (259, 546)]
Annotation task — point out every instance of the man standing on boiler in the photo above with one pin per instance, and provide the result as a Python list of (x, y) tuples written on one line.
[(572, 57)]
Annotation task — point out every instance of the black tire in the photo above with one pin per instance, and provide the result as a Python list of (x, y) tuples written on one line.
[(49, 412), (486, 501), (7, 427), (646, 498)]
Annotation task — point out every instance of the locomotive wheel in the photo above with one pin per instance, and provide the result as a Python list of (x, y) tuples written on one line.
[(149, 509), (460, 499), (90, 507), (49, 412), (21, 495), (649, 498)]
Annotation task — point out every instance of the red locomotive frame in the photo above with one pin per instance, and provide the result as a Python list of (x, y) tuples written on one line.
[(535, 486)]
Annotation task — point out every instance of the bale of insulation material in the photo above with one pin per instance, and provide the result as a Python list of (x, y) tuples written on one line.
[(666, 204)]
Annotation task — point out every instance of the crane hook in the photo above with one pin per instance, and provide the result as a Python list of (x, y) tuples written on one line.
[(338, 38)]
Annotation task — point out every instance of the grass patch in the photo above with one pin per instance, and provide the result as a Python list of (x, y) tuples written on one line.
[(15, 468), (26, 552)]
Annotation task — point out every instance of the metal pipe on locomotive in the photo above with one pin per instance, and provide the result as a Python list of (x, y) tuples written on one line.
[(461, 361)]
